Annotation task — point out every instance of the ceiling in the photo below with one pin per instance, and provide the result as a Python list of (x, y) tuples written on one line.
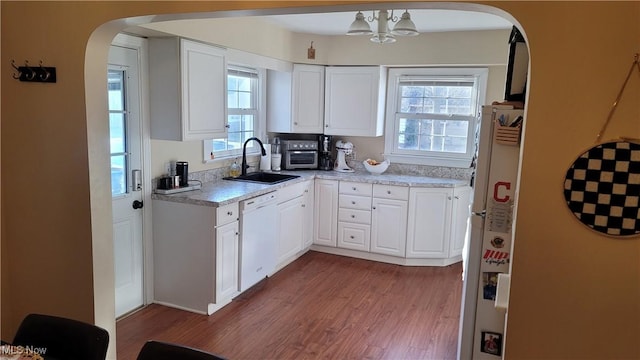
[(337, 23), (426, 20)]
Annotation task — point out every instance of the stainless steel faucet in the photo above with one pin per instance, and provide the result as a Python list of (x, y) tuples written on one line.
[(244, 153)]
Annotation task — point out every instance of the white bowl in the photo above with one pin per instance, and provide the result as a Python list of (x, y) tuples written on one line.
[(376, 169)]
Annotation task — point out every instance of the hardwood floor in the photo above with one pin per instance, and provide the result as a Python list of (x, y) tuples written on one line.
[(319, 307)]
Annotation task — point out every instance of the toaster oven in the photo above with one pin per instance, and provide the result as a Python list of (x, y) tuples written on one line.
[(299, 154)]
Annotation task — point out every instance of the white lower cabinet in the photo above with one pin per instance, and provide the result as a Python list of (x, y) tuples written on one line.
[(290, 228), (388, 227), (307, 210), (460, 224), (354, 216), (295, 221), (195, 252), (436, 222), (326, 212), (422, 226), (227, 261)]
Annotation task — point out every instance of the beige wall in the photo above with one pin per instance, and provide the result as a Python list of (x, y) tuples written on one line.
[(575, 293), (479, 48)]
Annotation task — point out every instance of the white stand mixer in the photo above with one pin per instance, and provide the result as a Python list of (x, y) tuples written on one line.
[(343, 149)]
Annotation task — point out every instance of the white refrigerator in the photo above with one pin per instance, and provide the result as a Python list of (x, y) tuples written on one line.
[(482, 327)]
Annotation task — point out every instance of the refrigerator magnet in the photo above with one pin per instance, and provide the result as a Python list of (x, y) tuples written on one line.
[(491, 343), (489, 285)]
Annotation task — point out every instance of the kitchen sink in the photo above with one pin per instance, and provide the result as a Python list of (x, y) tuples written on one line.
[(263, 178)]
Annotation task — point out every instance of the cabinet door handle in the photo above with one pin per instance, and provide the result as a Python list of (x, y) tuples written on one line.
[(354, 188), (456, 197), (353, 203), (449, 197), (237, 233), (303, 205), (326, 125), (353, 216), (374, 208), (389, 192), (352, 237), (295, 123), (230, 213), (227, 126)]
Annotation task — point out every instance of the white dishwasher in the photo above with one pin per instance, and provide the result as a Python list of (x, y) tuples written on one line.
[(258, 243)]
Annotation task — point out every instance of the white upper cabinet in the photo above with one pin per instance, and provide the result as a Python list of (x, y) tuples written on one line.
[(354, 100), (188, 83), (307, 99), (295, 101)]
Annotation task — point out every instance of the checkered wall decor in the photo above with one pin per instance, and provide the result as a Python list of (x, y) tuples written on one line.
[(602, 188)]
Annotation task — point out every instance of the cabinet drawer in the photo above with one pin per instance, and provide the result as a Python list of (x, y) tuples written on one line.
[(354, 216), (391, 192), (227, 213), (354, 188), (354, 202), (354, 236)]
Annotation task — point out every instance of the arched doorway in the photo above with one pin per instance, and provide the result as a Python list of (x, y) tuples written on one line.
[(96, 50)]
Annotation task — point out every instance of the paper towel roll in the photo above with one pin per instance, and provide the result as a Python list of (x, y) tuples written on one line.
[(265, 160)]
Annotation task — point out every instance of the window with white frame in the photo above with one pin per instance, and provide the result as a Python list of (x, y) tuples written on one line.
[(431, 115), (243, 114)]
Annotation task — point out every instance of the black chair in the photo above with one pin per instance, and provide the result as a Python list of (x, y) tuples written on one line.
[(157, 350), (62, 338)]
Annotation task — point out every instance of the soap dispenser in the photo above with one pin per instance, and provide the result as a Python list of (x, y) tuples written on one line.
[(234, 170)]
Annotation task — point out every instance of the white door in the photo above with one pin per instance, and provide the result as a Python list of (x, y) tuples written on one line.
[(126, 177)]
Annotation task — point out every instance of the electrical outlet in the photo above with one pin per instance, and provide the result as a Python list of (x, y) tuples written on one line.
[(167, 168)]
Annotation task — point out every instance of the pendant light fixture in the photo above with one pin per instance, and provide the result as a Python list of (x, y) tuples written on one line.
[(404, 26)]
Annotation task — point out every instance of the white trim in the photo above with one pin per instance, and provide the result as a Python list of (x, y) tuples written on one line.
[(396, 75), (386, 258), (141, 46)]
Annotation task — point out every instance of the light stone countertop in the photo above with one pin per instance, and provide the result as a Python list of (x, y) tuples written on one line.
[(224, 192)]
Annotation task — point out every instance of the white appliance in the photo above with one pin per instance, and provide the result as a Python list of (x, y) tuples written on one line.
[(482, 327), (258, 242), (343, 149)]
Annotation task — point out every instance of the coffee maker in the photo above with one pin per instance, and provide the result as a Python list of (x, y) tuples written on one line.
[(325, 162), (182, 170)]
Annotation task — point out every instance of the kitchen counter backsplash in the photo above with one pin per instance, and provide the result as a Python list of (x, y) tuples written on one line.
[(420, 170), (217, 174)]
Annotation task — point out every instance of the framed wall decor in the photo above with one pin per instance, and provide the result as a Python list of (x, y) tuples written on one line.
[(517, 68), (491, 343)]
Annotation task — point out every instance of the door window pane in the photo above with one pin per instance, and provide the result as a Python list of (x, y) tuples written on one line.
[(118, 175), (117, 131)]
